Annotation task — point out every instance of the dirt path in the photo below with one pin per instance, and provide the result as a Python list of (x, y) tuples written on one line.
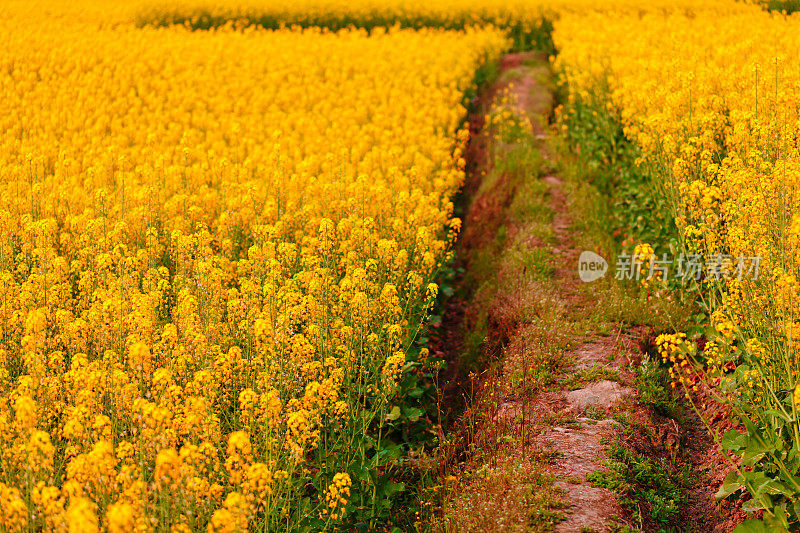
[(561, 394)]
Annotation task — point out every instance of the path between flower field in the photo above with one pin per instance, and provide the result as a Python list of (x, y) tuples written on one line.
[(556, 431)]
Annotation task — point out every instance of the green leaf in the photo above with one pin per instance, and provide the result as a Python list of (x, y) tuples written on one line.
[(778, 414), (752, 526), (390, 489), (413, 413), (796, 508), (776, 487), (416, 393), (729, 485), (757, 444), (752, 506), (762, 486), (392, 451), (733, 440), (363, 476), (394, 414), (779, 521), (755, 452)]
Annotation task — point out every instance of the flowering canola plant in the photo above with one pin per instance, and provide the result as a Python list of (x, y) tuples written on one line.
[(711, 100), (715, 110), (215, 248)]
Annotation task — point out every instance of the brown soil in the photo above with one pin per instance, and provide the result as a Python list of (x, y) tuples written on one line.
[(485, 214), (709, 466)]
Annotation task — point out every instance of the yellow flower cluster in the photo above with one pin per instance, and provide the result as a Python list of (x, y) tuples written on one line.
[(668, 344), (711, 98), (505, 121), (712, 105), (674, 351), (644, 258), (214, 247), (336, 496)]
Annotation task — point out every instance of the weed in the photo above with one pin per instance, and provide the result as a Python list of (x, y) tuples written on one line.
[(629, 426), (652, 385), (604, 329), (533, 262), (619, 527), (561, 419), (635, 478), (591, 375), (511, 493), (548, 457), (594, 413)]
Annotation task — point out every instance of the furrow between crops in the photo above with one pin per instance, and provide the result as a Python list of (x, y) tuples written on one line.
[(548, 387)]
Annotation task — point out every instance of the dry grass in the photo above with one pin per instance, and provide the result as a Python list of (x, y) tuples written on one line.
[(509, 494)]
